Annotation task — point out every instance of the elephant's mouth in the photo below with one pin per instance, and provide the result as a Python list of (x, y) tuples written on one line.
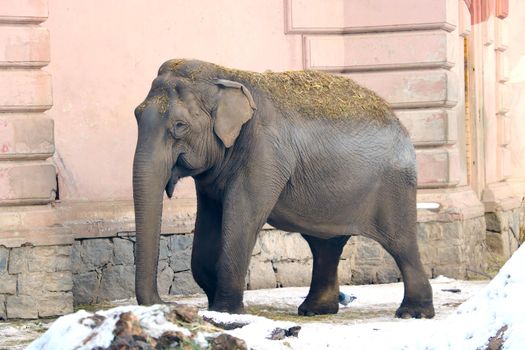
[(181, 169), (170, 186), (182, 164)]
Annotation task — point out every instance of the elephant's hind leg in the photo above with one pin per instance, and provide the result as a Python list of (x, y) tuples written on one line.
[(324, 288), (417, 301), (396, 231)]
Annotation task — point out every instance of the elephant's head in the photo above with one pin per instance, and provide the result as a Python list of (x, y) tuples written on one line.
[(185, 127)]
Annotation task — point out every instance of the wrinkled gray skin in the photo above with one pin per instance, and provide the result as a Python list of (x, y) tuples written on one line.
[(325, 178)]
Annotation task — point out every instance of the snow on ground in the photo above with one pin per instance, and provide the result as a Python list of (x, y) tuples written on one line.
[(84, 330), (366, 323)]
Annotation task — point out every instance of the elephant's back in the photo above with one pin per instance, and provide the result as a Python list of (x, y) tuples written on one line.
[(308, 94)]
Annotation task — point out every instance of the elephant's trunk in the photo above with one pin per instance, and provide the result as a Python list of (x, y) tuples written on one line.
[(148, 186)]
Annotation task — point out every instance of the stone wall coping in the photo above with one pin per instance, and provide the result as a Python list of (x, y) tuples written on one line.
[(46, 236), (455, 204), (89, 219), (500, 196), (24, 11)]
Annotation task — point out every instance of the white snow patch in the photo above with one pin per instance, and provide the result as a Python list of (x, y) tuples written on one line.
[(79, 330), (501, 303)]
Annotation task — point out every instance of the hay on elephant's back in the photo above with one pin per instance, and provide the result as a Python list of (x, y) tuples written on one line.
[(311, 93)]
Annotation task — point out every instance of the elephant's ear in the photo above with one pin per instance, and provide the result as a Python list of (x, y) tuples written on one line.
[(235, 107)]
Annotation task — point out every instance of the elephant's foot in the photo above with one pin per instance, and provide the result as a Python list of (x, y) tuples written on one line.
[(415, 310), (312, 308), (226, 307), (150, 300)]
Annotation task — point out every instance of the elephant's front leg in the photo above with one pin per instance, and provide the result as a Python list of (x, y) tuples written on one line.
[(206, 244), (245, 210)]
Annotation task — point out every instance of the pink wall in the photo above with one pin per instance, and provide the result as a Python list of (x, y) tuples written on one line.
[(104, 55), (515, 54)]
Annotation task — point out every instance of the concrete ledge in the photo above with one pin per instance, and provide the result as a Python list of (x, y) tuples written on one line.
[(27, 183), (26, 137), (459, 203), (24, 11), (430, 127), (517, 185), (500, 196), (25, 90), (89, 219), (428, 49), (24, 46), (412, 89), (37, 237), (350, 16), (437, 167)]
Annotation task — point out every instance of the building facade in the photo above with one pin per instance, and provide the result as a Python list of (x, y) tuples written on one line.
[(72, 74)]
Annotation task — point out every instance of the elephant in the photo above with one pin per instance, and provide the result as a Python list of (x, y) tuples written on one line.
[(304, 151)]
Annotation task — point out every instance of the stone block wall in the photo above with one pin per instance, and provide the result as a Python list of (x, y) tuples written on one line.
[(35, 282), (503, 235), (103, 267)]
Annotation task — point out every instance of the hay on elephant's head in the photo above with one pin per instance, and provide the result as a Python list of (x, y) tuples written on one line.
[(311, 93)]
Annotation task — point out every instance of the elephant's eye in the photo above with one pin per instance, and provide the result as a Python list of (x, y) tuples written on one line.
[(179, 129)]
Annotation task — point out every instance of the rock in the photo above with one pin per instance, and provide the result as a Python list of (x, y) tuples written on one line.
[(183, 283), (369, 251), (293, 331), (164, 280), (130, 335), (4, 257), (96, 252), (170, 340), (127, 342), (18, 260), (53, 304), (85, 287), (344, 271), (59, 282), (228, 342), (41, 259), (21, 306), (280, 333), (63, 258), (128, 325), (180, 260), (164, 250), (277, 334), (3, 311), (181, 242), (32, 283), (388, 273), (293, 273), (77, 265), (452, 290), (225, 325), (261, 274), (123, 252), (7, 283), (117, 282), (279, 245), (496, 342), (184, 313)]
